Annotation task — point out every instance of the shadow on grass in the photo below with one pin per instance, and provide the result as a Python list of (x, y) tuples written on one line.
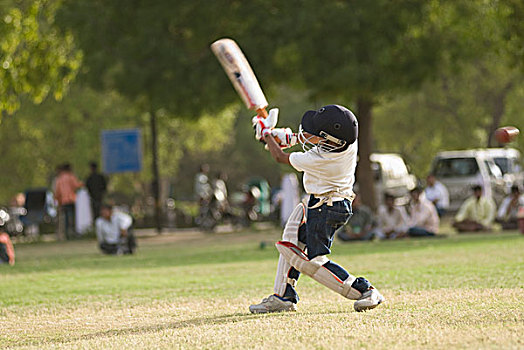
[(195, 322)]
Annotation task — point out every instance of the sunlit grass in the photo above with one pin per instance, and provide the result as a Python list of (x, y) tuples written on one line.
[(192, 291)]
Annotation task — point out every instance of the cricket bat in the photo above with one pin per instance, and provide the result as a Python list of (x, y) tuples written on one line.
[(241, 75)]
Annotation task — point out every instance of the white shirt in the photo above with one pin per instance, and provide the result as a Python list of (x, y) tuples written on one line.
[(327, 171), (202, 187), (503, 212), (394, 220), (423, 214), (109, 231), (438, 194)]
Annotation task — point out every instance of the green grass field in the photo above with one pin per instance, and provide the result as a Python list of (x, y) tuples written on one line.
[(193, 290)]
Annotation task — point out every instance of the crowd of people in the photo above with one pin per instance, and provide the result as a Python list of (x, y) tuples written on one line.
[(421, 216), (113, 228)]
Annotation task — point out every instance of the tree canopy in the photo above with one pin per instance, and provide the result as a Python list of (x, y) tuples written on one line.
[(37, 59)]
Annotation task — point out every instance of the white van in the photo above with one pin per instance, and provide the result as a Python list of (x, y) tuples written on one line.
[(391, 175), (459, 170)]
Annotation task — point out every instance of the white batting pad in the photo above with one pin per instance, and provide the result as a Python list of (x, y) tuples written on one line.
[(290, 234), (314, 268)]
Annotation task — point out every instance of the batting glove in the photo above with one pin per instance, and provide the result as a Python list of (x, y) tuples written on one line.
[(262, 125), (286, 137)]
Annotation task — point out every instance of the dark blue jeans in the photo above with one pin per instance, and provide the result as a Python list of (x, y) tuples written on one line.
[(321, 224), (4, 258), (69, 220), (318, 234), (419, 232)]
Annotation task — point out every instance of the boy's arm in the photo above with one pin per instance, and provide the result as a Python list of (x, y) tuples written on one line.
[(275, 150)]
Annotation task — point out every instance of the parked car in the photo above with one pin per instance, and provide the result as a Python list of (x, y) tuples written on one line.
[(459, 170), (509, 162), (392, 176)]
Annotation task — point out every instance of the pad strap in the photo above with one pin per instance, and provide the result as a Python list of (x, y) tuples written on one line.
[(315, 269)]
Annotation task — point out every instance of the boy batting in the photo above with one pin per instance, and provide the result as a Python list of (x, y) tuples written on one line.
[(329, 139)]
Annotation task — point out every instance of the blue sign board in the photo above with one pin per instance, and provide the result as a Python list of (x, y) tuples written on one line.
[(121, 151)]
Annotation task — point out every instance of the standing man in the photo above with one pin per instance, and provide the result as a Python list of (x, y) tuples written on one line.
[(437, 194), (65, 194), (329, 139), (96, 186), (221, 194), (202, 186)]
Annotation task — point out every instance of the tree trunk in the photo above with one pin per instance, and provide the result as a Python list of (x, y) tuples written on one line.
[(365, 147), (499, 107), (156, 179)]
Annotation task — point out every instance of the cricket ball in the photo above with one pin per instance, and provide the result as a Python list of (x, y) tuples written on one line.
[(506, 134)]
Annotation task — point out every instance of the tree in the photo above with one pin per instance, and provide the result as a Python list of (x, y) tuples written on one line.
[(467, 101), (358, 52), (36, 59), (37, 138), (156, 53), (456, 111), (353, 52), (513, 12)]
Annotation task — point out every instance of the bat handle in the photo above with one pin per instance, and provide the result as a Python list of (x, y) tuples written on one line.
[(262, 112)]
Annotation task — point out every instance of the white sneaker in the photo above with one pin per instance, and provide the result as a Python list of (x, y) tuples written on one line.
[(272, 304), (369, 300)]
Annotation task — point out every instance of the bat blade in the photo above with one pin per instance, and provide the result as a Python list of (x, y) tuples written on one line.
[(241, 75)]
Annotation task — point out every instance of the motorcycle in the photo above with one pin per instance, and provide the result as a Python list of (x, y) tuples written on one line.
[(10, 219), (217, 209)]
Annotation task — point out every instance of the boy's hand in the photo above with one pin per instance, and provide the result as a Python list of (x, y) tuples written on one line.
[(263, 126), (285, 136)]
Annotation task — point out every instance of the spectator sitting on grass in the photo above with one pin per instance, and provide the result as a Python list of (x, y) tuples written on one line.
[(508, 210), (114, 231), (361, 226), (476, 213), (392, 219), (423, 218), (437, 193)]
